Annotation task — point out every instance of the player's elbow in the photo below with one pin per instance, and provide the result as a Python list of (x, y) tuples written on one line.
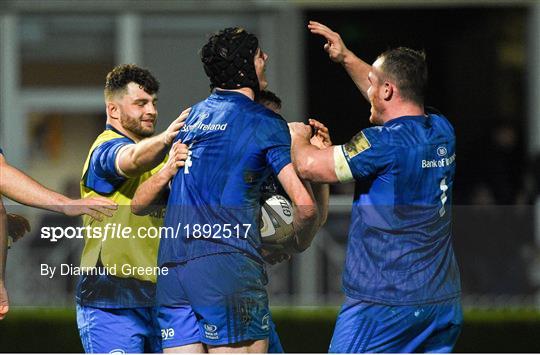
[(138, 209), (303, 167)]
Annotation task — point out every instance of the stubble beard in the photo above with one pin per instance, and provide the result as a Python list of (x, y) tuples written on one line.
[(134, 125), (374, 118)]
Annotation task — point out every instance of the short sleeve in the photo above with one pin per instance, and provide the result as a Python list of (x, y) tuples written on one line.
[(102, 175), (1, 151), (276, 141), (364, 156)]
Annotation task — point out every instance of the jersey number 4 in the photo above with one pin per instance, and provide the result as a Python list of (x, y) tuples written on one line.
[(444, 198), (188, 163)]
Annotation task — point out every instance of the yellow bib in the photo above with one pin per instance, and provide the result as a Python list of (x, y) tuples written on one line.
[(117, 253)]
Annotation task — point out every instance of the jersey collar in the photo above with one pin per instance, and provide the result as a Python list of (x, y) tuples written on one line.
[(111, 128), (420, 119), (230, 95)]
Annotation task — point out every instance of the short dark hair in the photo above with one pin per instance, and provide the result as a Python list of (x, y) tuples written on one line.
[(118, 79), (409, 70), (266, 97)]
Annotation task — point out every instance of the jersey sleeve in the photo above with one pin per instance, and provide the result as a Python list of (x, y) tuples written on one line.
[(1, 151), (364, 156), (276, 141), (102, 174)]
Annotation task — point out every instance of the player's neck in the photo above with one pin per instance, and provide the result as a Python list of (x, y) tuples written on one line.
[(403, 109), (244, 91), (117, 126)]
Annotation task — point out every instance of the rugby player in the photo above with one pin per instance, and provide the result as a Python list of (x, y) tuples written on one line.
[(115, 312), (214, 298), (153, 193), (401, 277), (21, 188)]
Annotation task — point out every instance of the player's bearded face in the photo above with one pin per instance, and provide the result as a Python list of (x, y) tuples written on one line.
[(374, 96), (376, 108), (142, 126), (138, 113), (260, 68)]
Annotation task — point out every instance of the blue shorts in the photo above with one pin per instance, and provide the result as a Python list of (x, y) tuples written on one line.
[(364, 327), (125, 330), (217, 299)]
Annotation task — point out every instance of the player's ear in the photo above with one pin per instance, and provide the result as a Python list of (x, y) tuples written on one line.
[(388, 91), (112, 110)]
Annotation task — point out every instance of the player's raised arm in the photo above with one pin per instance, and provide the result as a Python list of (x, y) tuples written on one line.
[(19, 187), (306, 218), (4, 301), (357, 69), (152, 192), (134, 159)]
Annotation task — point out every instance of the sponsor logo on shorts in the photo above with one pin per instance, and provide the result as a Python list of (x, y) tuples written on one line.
[(210, 331), (265, 324), (167, 334), (117, 351)]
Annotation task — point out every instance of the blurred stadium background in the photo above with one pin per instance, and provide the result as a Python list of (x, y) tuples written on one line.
[(484, 62)]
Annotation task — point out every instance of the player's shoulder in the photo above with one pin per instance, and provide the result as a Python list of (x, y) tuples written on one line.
[(372, 138), (376, 135), (407, 131), (198, 111), (442, 123), (266, 116), (108, 139), (112, 134)]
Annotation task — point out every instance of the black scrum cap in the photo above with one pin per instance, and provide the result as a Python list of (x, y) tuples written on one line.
[(228, 59)]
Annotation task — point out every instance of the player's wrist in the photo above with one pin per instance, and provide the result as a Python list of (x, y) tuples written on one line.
[(166, 174), (63, 205), (348, 58), (164, 139)]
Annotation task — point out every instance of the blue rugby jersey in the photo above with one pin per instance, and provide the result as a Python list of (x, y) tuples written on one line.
[(399, 249), (213, 206)]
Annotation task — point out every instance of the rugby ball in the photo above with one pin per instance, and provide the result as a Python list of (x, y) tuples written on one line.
[(276, 220)]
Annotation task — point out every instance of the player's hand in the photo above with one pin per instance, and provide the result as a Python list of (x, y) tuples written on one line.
[(321, 138), (273, 254), (17, 226), (334, 46), (177, 158), (4, 301), (96, 207), (172, 131), (300, 130)]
